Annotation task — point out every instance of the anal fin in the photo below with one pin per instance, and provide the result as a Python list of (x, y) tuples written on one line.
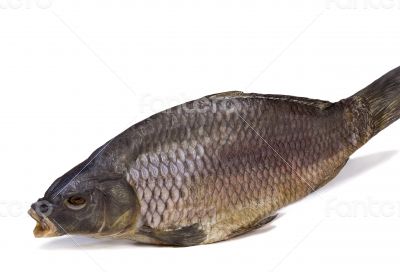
[(255, 225)]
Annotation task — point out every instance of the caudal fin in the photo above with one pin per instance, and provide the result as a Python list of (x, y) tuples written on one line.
[(383, 99)]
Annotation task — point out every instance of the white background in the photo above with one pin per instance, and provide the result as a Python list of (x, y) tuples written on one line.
[(76, 73)]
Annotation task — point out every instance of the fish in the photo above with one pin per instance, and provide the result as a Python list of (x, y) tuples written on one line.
[(213, 168)]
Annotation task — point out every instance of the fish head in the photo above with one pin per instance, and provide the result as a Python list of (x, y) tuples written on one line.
[(91, 203)]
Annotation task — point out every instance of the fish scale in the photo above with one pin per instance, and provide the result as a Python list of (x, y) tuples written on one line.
[(237, 169)]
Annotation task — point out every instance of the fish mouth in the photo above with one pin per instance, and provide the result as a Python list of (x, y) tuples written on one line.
[(44, 227)]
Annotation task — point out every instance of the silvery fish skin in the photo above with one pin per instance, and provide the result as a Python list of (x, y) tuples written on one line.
[(213, 168)]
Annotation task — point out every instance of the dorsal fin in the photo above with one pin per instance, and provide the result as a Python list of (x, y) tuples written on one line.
[(321, 104), (228, 94)]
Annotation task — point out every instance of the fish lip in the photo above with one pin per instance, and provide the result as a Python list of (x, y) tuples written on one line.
[(44, 227)]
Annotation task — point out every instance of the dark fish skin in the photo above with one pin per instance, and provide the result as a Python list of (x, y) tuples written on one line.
[(216, 167)]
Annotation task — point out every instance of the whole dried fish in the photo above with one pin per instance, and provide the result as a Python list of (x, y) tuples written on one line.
[(213, 168)]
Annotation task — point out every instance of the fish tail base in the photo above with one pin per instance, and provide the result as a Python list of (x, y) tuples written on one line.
[(383, 100)]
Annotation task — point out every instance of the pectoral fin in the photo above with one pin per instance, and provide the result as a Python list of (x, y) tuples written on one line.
[(184, 236)]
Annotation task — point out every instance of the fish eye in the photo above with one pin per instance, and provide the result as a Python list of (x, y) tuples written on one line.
[(75, 202)]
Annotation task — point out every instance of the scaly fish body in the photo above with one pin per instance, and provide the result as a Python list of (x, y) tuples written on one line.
[(214, 168), (228, 169)]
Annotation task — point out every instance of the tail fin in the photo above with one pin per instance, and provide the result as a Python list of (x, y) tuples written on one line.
[(383, 99)]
